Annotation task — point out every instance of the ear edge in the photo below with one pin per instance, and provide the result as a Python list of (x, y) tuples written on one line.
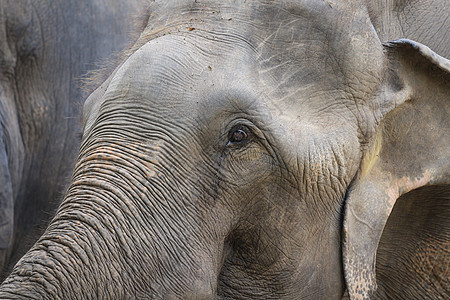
[(429, 55)]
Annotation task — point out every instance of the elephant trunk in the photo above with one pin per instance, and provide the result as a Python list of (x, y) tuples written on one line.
[(76, 258), (55, 268), (120, 233)]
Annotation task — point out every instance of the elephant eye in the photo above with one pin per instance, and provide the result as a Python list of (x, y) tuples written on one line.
[(238, 135)]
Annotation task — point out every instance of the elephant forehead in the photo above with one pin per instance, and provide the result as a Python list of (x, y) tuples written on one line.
[(329, 41), (300, 53), (194, 75)]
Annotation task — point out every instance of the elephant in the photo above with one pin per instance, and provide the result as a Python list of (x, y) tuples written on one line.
[(257, 150), (45, 48)]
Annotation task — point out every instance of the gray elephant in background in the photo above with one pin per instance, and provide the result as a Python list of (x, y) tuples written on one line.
[(259, 150), (45, 48)]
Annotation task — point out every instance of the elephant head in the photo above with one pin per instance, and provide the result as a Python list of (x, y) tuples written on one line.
[(237, 149)]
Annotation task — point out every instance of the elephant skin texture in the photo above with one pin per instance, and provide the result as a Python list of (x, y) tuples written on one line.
[(45, 48), (259, 150)]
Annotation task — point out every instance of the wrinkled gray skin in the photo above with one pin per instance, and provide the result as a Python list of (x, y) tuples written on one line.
[(45, 48), (256, 150)]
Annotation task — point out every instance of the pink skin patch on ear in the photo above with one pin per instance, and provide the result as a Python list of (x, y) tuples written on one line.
[(404, 184)]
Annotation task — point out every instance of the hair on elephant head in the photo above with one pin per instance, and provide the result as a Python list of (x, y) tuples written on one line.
[(266, 150)]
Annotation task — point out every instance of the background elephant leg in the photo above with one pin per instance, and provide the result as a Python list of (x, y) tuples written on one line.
[(11, 166), (6, 205)]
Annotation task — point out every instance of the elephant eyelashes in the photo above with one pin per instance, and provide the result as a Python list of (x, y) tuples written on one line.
[(238, 135)]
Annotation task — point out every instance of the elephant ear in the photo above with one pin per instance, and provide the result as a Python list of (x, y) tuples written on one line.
[(406, 165)]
